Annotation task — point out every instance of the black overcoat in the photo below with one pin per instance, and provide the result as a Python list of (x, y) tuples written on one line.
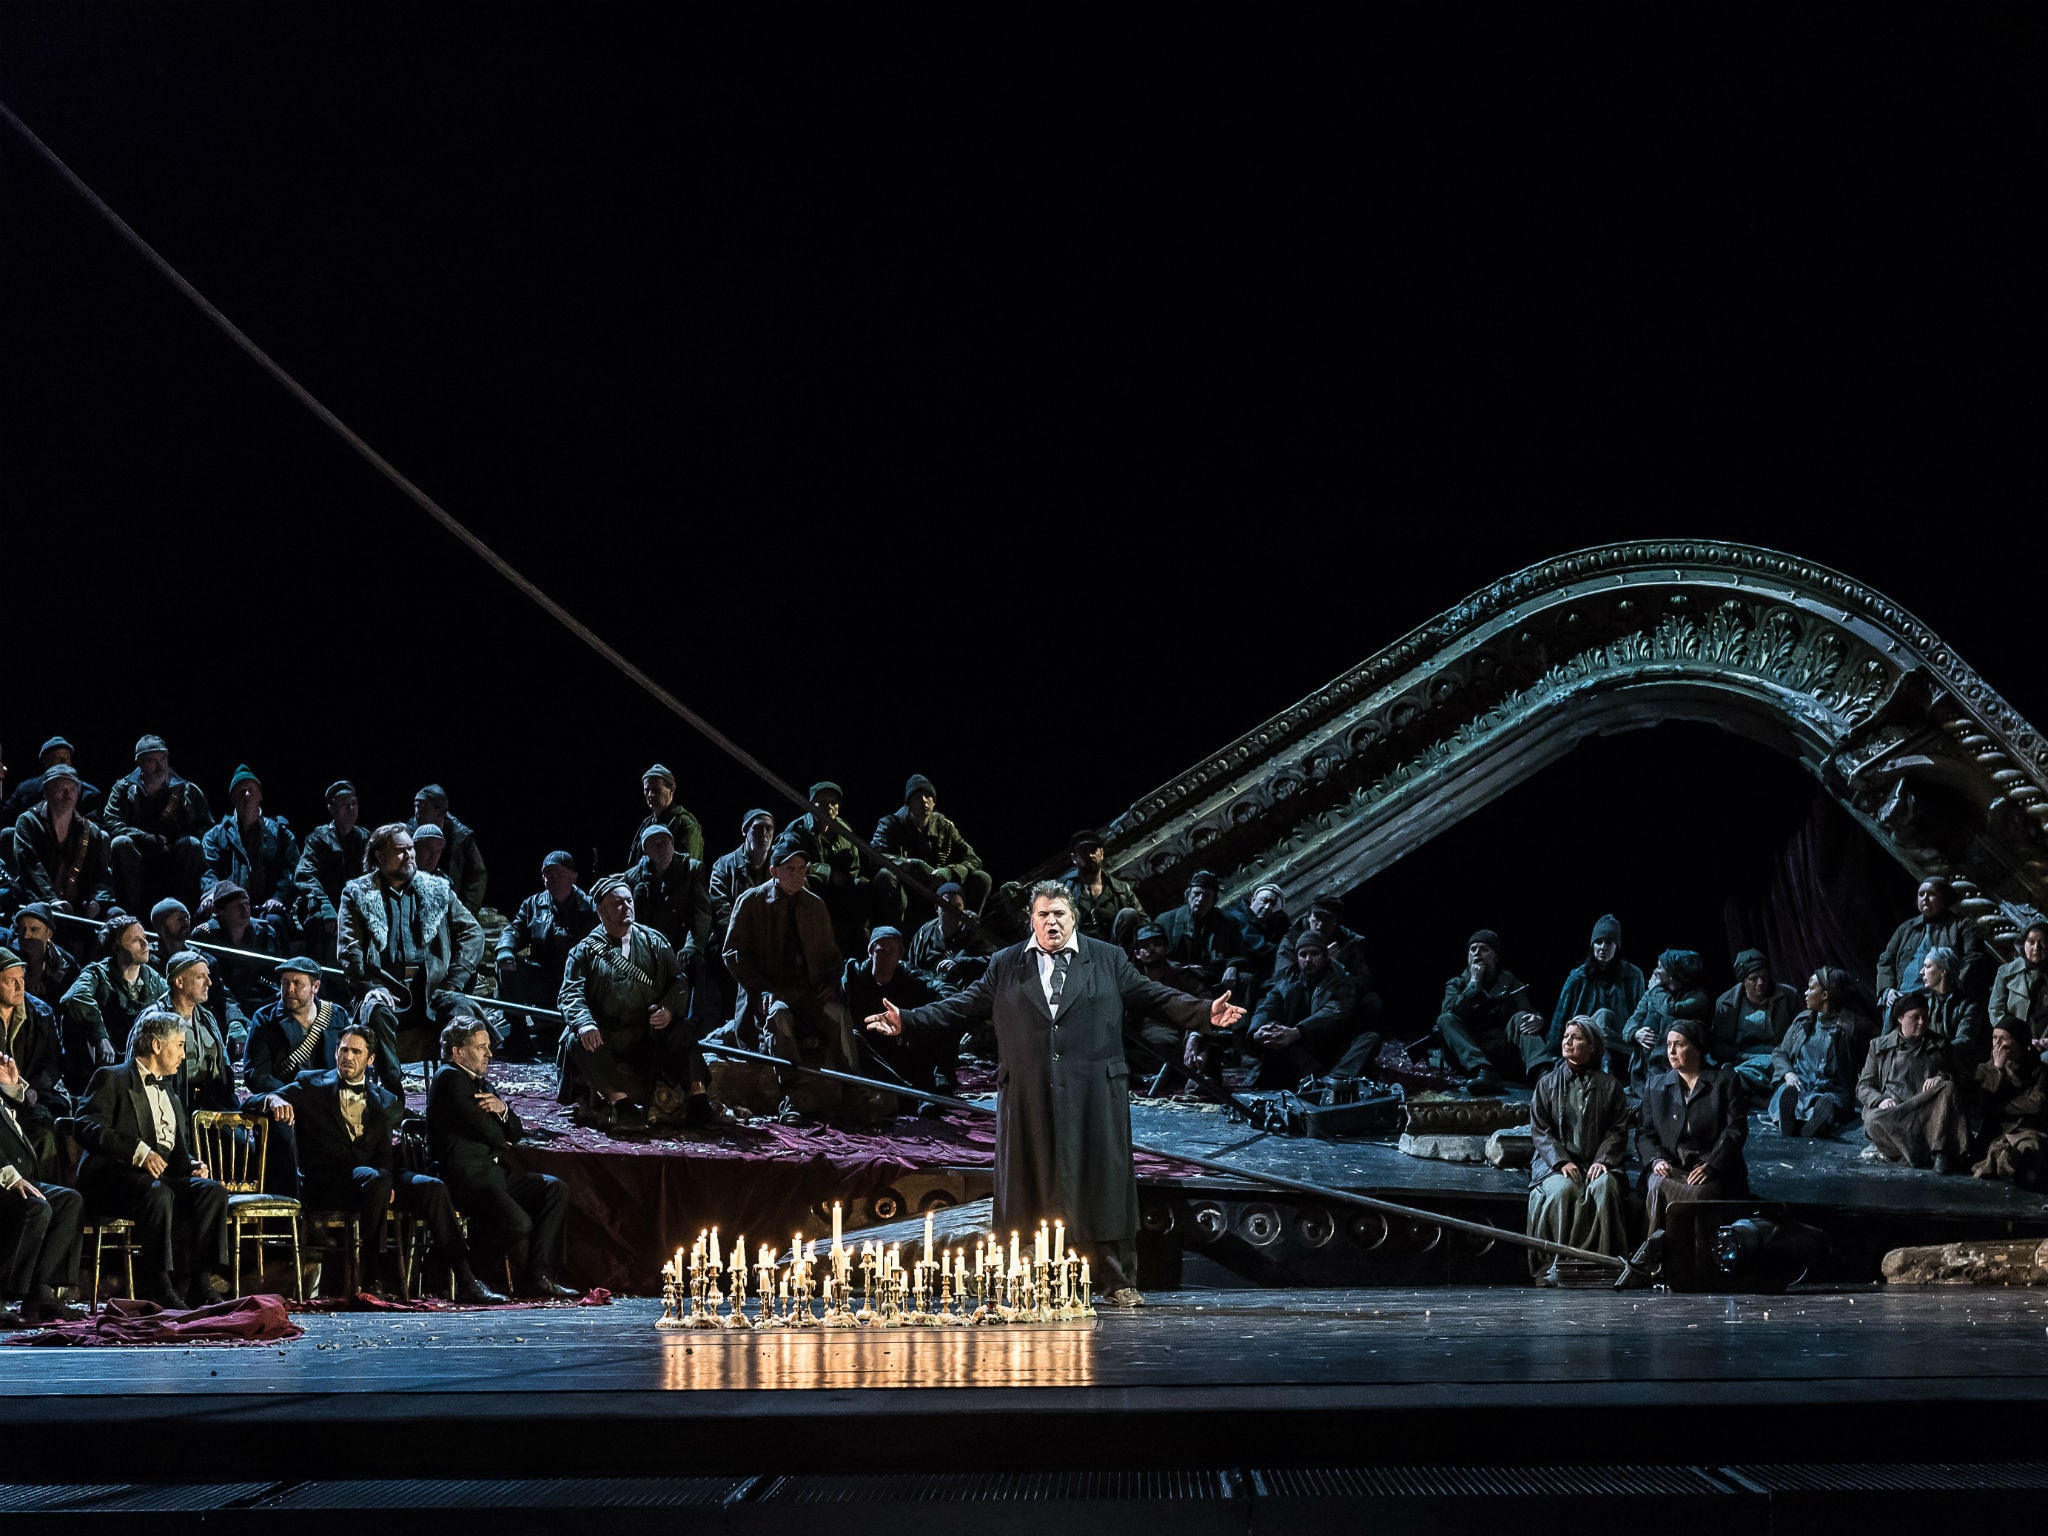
[(1063, 1108)]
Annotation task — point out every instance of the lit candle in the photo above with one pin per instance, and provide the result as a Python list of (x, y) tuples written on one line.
[(835, 1226), (927, 1237), (714, 1247), (1084, 1275), (1015, 1255), (1059, 1238)]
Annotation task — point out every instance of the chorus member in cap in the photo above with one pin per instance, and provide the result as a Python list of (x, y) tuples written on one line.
[(2019, 992), (60, 856), (1307, 1024), (406, 935), (205, 1076), (462, 862), (838, 867), (1155, 1045), (623, 1001), (247, 848), (1578, 1128), (928, 1061), (1817, 1062), (332, 856), (1063, 1114), (1200, 935), (1676, 992), (534, 946), (952, 948), (39, 1218), (2012, 1096), (429, 847), (51, 970), (1936, 921), (297, 1033), (671, 897), (99, 1009), (1750, 1019), (139, 1164), (342, 1122), (1107, 906), (1690, 1128), (1603, 989), (30, 790), (658, 794), (1262, 918), (245, 980), (782, 952), (1912, 1105), (28, 1038), (925, 843), (157, 820), (469, 1132), (170, 925), (742, 868), (1488, 1022)]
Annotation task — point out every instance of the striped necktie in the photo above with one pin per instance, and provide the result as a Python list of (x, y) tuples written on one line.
[(1060, 962)]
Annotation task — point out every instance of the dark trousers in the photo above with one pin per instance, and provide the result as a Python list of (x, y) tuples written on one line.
[(144, 874), (414, 1035), (515, 1208), (38, 1239), (162, 1209), (626, 1057), (1287, 1065), (370, 1192), (1111, 1265), (922, 1057), (1518, 1057)]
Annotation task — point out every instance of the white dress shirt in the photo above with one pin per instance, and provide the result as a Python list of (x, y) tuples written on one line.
[(1045, 967), (165, 1115)]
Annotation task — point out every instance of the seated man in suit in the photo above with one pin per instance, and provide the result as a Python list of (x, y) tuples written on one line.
[(138, 1162), (343, 1123), (39, 1222), (468, 1129)]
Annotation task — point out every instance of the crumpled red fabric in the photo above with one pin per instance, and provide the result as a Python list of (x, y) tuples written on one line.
[(250, 1320)]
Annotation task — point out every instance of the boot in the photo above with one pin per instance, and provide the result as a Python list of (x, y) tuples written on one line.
[(472, 1292), (543, 1287), (42, 1306)]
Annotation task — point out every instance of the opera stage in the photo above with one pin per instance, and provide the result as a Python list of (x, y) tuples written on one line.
[(1207, 1410)]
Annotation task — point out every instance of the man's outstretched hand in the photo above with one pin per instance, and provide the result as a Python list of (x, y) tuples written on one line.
[(1223, 1013), (887, 1022)]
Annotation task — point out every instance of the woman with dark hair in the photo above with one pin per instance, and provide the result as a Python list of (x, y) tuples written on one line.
[(1578, 1125), (1907, 1091), (1676, 994), (1750, 1018), (2019, 992), (2013, 1091), (1690, 1130), (1817, 1061)]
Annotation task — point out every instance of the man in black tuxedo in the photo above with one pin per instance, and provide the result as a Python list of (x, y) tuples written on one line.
[(138, 1161), (468, 1129), (343, 1123), (1063, 1108), (38, 1222)]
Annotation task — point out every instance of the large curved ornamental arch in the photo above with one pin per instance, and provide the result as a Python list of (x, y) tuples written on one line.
[(1912, 742)]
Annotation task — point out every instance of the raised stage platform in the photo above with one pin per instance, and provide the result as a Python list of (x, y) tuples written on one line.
[(636, 1201)]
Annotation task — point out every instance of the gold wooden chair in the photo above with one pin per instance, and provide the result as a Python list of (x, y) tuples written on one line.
[(238, 1162), (100, 1231)]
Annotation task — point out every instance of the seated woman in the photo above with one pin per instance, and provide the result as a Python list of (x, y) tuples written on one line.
[(1578, 1121), (1750, 1018), (2019, 992), (1950, 1014), (2013, 1095), (1675, 994), (1690, 1130), (1816, 1062), (1911, 1109)]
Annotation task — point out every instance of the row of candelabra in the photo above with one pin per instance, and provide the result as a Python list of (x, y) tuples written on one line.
[(707, 1288)]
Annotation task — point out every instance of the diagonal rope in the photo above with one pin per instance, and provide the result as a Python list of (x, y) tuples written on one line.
[(390, 472)]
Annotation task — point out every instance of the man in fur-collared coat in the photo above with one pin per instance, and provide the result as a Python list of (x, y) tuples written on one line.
[(402, 934)]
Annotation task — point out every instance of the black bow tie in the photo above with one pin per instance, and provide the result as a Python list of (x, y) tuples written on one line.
[(153, 1082), (355, 1090)]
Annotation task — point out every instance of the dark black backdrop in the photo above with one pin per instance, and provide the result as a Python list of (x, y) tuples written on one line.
[(1038, 417)]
